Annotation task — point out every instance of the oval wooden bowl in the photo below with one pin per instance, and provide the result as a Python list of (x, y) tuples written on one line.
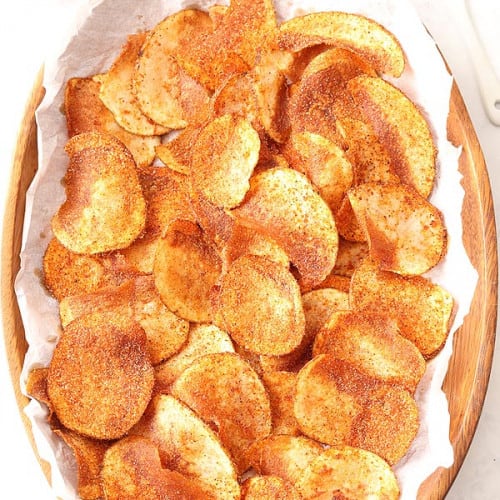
[(469, 369)]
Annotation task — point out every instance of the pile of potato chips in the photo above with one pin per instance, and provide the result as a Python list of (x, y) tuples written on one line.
[(239, 262)]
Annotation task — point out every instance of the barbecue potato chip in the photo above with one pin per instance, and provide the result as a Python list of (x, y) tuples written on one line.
[(422, 309), (349, 31), (100, 377), (226, 393), (104, 208), (85, 112), (401, 128), (176, 153), (373, 343), (187, 445), (349, 256), (268, 488), (117, 95), (202, 339), (132, 469), (406, 233), (284, 204), (185, 270), (336, 281), (260, 305), (347, 224), (237, 96), (223, 160), (283, 456), (348, 472), (36, 387), (217, 13)]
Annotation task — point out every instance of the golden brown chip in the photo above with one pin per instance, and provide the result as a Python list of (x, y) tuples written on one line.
[(401, 128), (422, 309), (237, 96), (284, 204), (85, 112), (350, 256), (349, 31), (185, 270), (347, 472), (347, 224), (117, 95), (176, 153), (373, 343), (164, 92), (406, 233), (104, 208), (226, 393), (217, 13), (268, 488), (223, 159), (202, 339), (100, 377), (132, 469), (36, 387), (260, 306), (187, 445)]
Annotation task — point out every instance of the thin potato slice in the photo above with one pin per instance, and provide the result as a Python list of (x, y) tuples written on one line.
[(373, 343), (117, 95), (347, 472), (176, 154), (350, 31), (347, 224), (336, 281), (422, 309), (132, 469), (187, 445), (237, 96), (164, 93), (202, 339), (401, 128), (283, 203), (185, 270), (406, 233), (100, 377), (36, 387), (223, 159), (268, 488), (260, 306), (350, 256), (284, 456), (104, 209), (226, 393)]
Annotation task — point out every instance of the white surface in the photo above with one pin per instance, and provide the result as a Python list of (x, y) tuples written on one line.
[(28, 29)]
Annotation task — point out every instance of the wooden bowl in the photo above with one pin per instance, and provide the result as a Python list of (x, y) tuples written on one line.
[(469, 369)]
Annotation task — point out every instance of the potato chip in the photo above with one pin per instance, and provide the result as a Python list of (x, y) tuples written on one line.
[(185, 270), (132, 469), (117, 95), (217, 13), (223, 160), (406, 233), (268, 488), (237, 96), (187, 445), (422, 309), (373, 343), (36, 387), (348, 472), (260, 305), (100, 377), (401, 127), (176, 153), (226, 393), (104, 208), (283, 203), (202, 339), (85, 112), (350, 256), (349, 31), (347, 224)]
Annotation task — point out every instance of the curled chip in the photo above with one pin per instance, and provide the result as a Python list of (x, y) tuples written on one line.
[(350, 31), (401, 128), (406, 233), (104, 208), (100, 377), (176, 153), (186, 268), (260, 305), (284, 204), (132, 469), (373, 343), (226, 393), (117, 95), (224, 156), (348, 472), (268, 487), (422, 309), (187, 445)]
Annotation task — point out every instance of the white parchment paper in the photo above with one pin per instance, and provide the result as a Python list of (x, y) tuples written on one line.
[(96, 38)]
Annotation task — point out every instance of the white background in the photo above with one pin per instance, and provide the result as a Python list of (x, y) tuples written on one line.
[(28, 31)]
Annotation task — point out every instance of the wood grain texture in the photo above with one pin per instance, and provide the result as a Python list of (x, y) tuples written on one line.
[(468, 374)]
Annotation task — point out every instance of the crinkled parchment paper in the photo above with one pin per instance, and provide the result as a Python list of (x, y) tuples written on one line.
[(97, 37)]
